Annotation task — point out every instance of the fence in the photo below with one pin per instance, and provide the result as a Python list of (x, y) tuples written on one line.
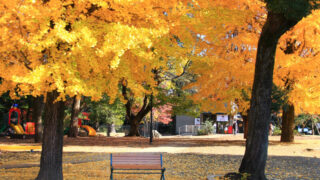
[(194, 129), (144, 129)]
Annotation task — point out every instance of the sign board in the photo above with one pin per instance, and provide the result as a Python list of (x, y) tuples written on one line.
[(222, 118), (237, 116), (197, 121)]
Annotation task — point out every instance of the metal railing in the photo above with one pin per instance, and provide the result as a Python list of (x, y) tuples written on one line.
[(189, 129), (193, 129), (144, 129)]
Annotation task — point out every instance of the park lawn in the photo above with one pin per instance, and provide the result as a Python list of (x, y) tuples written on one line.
[(92, 170), (184, 158), (179, 166)]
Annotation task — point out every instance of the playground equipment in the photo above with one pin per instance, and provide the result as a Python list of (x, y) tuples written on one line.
[(14, 122), (83, 123)]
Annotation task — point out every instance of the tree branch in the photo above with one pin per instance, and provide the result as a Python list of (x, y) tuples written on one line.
[(26, 62), (145, 109), (125, 96), (188, 63)]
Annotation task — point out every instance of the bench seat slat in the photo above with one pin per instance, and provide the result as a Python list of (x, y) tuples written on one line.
[(154, 162), (132, 160), (135, 154), (146, 161), (136, 166), (131, 164), (136, 158)]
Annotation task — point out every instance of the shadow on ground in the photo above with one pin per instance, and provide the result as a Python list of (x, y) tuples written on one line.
[(179, 166)]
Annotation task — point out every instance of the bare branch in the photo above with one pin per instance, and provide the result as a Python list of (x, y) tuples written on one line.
[(188, 63)]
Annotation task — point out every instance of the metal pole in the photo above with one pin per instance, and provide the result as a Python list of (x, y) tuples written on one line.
[(151, 118)]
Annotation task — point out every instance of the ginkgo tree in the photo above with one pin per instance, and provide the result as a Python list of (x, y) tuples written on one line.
[(181, 47), (226, 63), (67, 48), (281, 17), (296, 70), (227, 77), (224, 78), (149, 79)]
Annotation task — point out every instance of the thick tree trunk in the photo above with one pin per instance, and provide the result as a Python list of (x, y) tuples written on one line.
[(287, 134), (51, 155), (38, 106), (134, 126), (312, 127), (134, 119), (316, 127), (73, 128), (245, 126), (108, 129), (254, 160)]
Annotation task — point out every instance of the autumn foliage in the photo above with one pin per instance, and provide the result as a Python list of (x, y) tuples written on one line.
[(81, 47), (127, 49)]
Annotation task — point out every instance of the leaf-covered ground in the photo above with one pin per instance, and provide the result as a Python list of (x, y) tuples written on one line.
[(179, 166), (184, 157)]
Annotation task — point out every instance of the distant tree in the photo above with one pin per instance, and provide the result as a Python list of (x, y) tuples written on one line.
[(73, 127), (308, 120), (102, 112)]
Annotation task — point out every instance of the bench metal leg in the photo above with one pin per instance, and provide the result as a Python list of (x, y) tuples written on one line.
[(111, 174), (162, 174)]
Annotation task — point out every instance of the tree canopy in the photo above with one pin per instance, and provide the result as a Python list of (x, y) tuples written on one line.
[(127, 49), (81, 47)]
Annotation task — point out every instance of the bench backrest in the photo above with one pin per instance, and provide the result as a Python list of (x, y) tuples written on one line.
[(136, 160)]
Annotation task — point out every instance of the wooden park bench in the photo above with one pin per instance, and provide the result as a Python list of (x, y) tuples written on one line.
[(136, 163)]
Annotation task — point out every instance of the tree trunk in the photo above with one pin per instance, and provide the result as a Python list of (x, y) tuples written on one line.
[(73, 128), (134, 126), (38, 106), (51, 155), (254, 160), (316, 128), (245, 126), (287, 124), (108, 129), (135, 119)]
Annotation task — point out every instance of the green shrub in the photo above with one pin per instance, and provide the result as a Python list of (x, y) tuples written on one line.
[(296, 133), (276, 131), (206, 128), (202, 132)]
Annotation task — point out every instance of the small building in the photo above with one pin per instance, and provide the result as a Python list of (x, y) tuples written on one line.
[(186, 124)]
